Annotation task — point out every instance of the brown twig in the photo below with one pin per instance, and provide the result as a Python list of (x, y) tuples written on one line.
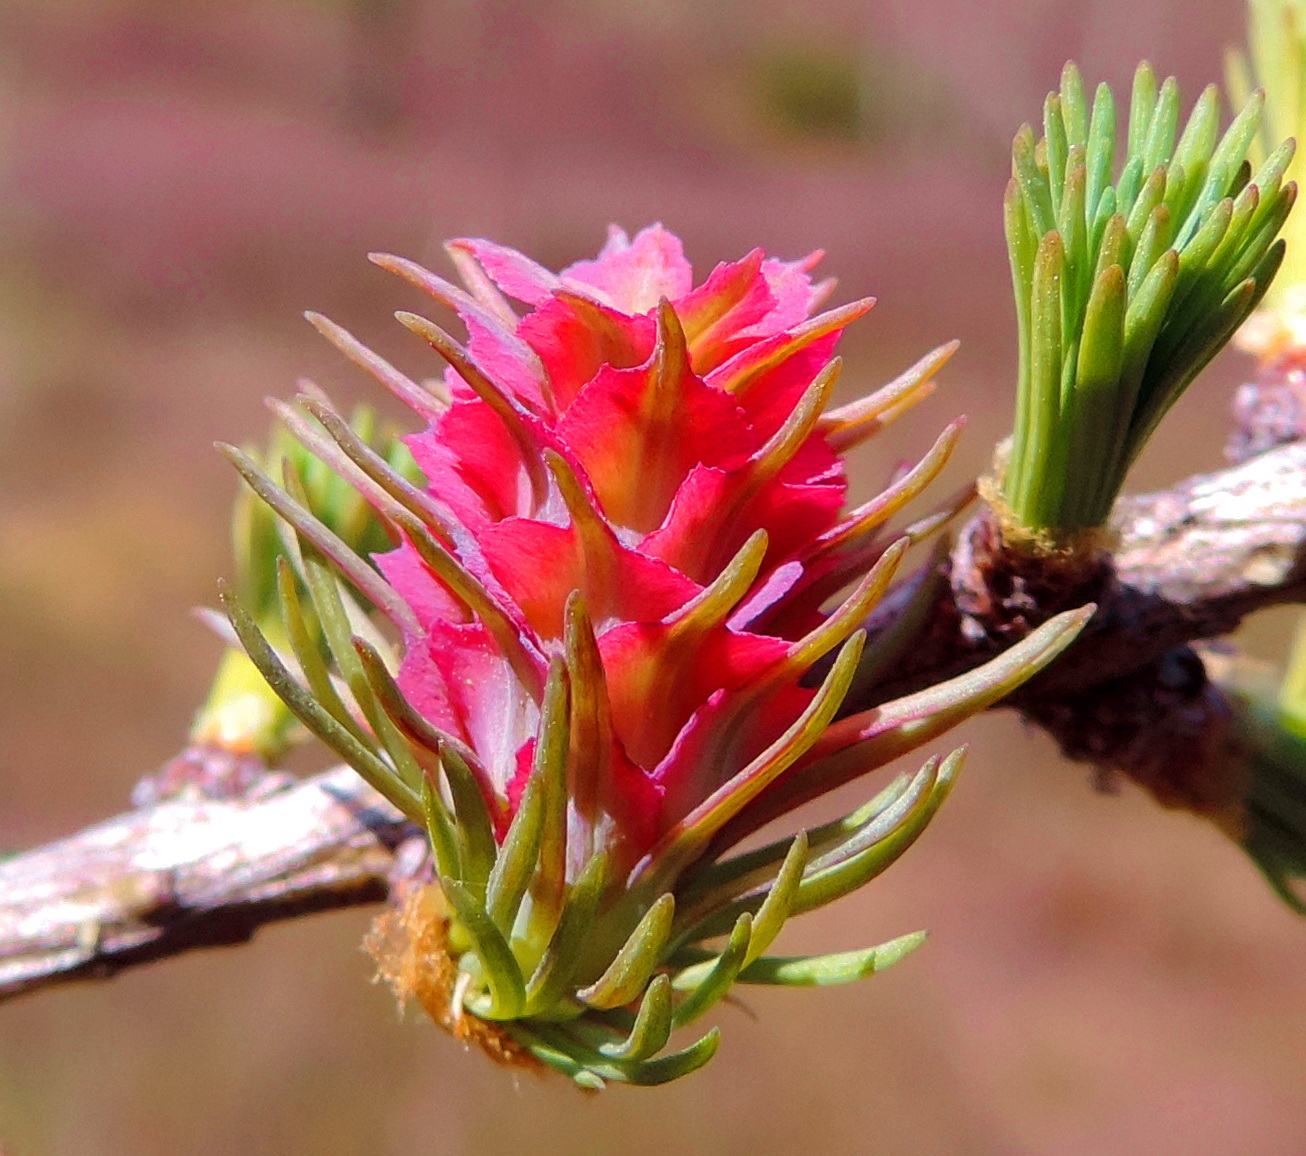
[(164, 879), (1191, 562)]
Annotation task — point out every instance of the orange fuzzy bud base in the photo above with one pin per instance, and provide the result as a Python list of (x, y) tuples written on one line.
[(410, 944), (1066, 552), (1008, 579)]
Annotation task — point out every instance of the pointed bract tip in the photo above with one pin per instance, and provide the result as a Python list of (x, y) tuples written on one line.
[(399, 266), (670, 329), (310, 391)]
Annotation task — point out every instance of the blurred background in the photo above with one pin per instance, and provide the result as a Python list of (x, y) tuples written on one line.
[(179, 181)]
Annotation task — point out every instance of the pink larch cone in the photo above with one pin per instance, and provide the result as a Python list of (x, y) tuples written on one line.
[(628, 605)]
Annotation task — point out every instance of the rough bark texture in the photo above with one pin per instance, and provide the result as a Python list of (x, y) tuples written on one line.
[(1190, 563), (1129, 697), (189, 873)]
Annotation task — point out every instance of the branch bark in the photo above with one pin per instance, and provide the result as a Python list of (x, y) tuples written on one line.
[(1190, 563), (163, 879), (180, 874)]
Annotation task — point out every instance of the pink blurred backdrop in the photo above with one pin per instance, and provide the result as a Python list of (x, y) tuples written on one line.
[(179, 181)]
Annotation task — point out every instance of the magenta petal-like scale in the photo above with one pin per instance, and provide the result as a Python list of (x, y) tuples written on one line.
[(674, 472), (575, 338), (635, 275)]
